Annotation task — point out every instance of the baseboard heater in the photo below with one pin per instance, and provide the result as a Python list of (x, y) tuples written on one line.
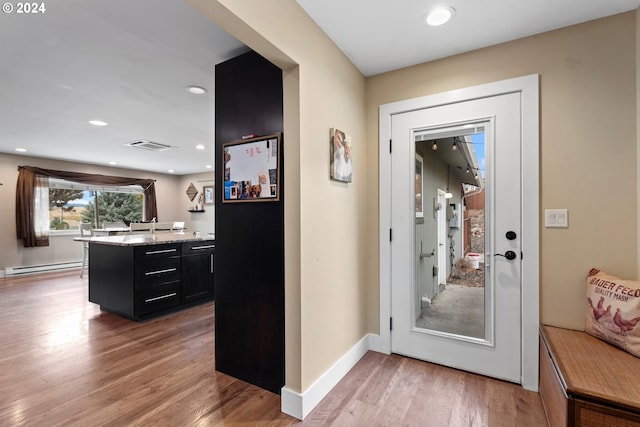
[(42, 268)]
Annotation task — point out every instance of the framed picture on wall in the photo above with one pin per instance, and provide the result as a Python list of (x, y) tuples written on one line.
[(340, 160), (251, 169), (207, 190)]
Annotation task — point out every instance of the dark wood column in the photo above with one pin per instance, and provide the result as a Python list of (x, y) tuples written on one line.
[(249, 262)]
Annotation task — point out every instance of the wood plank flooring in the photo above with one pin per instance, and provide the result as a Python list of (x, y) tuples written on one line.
[(63, 362)]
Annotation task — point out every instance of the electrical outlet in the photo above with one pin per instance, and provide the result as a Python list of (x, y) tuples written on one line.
[(556, 218)]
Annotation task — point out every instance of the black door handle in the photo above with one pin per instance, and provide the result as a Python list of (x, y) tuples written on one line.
[(511, 235), (510, 255)]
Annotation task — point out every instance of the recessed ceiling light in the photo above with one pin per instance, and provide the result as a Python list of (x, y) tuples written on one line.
[(439, 15), (208, 166), (171, 171), (112, 163), (98, 123), (196, 90), (22, 150), (200, 147)]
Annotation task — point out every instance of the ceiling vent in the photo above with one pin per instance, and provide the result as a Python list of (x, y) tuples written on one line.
[(148, 145)]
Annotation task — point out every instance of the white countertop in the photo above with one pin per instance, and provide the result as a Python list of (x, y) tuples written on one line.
[(147, 238)]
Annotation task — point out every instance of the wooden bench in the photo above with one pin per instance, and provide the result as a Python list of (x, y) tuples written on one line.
[(587, 382)]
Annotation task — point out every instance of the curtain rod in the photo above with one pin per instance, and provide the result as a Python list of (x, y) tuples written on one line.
[(22, 167)]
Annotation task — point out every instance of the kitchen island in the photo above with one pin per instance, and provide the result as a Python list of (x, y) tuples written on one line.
[(141, 276)]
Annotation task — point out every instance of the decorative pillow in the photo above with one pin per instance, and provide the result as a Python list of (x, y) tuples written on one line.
[(613, 310)]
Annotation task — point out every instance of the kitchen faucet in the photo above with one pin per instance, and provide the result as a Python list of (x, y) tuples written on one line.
[(153, 225)]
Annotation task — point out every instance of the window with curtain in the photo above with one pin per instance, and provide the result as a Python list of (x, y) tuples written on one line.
[(32, 199), (71, 203)]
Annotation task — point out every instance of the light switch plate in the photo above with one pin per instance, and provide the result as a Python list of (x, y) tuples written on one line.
[(556, 218)]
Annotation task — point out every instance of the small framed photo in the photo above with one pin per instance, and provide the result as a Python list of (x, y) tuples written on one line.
[(340, 160), (207, 190)]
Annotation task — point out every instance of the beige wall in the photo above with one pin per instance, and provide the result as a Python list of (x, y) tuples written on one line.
[(637, 56), (170, 193), (325, 221), (588, 149), (202, 222)]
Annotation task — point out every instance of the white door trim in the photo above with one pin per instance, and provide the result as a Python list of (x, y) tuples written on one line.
[(528, 86)]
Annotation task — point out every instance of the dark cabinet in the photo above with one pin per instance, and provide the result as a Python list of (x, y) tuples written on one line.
[(140, 282), (157, 278), (197, 271)]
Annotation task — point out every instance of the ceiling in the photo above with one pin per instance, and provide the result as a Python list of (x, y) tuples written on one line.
[(120, 61), (128, 63), (384, 35)]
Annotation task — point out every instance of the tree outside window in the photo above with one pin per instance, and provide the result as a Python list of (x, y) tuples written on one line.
[(113, 207), (70, 207), (59, 205)]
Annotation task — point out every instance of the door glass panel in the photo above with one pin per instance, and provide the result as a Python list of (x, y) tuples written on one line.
[(449, 287)]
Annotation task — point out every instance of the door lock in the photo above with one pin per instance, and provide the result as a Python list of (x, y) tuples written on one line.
[(510, 255)]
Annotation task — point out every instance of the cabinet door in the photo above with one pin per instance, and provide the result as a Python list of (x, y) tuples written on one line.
[(197, 272)]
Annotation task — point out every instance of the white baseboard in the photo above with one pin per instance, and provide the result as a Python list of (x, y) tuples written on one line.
[(299, 405), (375, 344)]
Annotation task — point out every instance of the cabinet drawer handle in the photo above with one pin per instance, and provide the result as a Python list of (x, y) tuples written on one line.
[(203, 247), (164, 251), (167, 270), (161, 297)]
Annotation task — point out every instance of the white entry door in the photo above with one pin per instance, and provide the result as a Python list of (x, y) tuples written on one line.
[(497, 349)]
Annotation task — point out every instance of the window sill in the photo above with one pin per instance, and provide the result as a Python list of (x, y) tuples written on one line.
[(56, 233)]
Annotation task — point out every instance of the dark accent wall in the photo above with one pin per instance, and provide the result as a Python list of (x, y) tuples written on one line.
[(249, 262)]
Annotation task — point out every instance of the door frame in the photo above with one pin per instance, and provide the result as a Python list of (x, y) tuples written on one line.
[(528, 87)]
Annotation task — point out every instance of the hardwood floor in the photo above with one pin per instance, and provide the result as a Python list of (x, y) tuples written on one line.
[(63, 362)]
